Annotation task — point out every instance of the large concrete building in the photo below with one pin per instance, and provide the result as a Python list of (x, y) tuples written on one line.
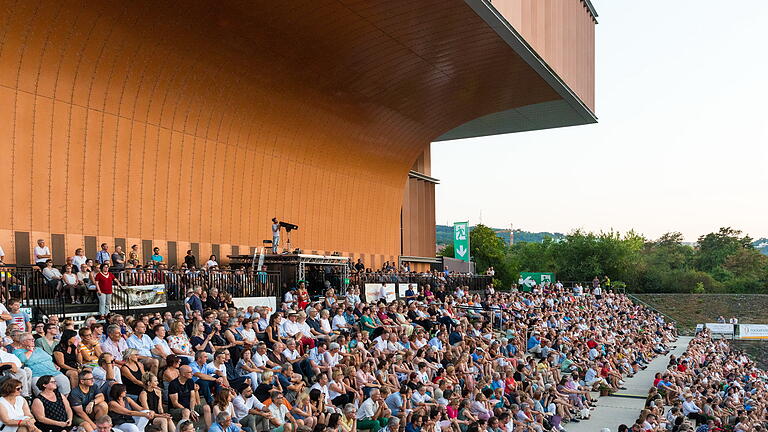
[(190, 124)]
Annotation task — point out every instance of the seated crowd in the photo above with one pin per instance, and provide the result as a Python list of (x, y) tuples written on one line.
[(430, 361), (710, 387)]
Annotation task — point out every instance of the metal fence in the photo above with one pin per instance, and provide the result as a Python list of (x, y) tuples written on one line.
[(474, 282), (28, 284), (49, 298)]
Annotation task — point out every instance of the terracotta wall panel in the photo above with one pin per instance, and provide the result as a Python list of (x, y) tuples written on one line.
[(91, 174), (194, 122), (22, 158), (562, 32), (105, 186)]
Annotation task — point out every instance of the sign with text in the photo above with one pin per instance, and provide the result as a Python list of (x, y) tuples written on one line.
[(753, 331), (461, 241), (140, 296), (720, 328)]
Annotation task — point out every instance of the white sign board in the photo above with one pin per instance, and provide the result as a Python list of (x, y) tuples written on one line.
[(140, 297), (718, 328), (373, 292), (244, 302), (753, 331)]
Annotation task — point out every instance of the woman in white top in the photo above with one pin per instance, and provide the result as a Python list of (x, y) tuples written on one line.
[(71, 282), (212, 262), (325, 323), (79, 259), (14, 410), (248, 333)]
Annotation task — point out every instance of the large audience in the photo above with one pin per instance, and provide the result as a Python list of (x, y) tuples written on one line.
[(710, 387), (433, 360)]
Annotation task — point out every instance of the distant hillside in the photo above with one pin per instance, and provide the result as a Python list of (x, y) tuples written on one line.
[(445, 235), (761, 245)]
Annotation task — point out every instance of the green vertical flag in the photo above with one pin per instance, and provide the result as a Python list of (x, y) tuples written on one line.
[(461, 241)]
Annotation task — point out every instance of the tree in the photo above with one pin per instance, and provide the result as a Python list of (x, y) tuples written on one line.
[(488, 250), (715, 248)]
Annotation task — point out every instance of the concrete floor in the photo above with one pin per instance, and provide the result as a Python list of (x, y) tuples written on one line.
[(614, 410)]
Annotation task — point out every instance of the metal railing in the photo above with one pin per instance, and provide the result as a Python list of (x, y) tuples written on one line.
[(474, 282), (43, 297), (36, 293)]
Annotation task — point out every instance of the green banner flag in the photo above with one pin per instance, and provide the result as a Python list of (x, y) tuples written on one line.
[(529, 280), (461, 241)]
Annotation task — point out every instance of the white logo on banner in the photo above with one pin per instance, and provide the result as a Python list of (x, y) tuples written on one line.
[(753, 331)]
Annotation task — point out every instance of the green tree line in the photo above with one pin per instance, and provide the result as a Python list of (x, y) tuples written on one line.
[(722, 262)]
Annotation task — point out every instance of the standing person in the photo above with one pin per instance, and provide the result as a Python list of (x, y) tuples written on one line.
[(42, 253), (190, 260), (275, 235), (103, 256), (118, 258), (51, 410), (598, 292), (156, 258), (104, 282)]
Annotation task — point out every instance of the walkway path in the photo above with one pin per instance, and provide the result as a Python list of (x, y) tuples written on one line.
[(614, 410)]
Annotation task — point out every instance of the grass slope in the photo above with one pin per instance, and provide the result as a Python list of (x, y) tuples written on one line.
[(691, 309)]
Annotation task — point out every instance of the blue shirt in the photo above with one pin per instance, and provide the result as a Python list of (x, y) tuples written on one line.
[(195, 303), (39, 362), (102, 256), (206, 369), (217, 428), (435, 342), (455, 337), (532, 342), (144, 345), (262, 276), (394, 402)]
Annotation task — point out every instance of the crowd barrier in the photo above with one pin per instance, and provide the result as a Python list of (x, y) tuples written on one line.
[(43, 298)]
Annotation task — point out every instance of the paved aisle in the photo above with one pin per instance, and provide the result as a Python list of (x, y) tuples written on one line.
[(612, 411)]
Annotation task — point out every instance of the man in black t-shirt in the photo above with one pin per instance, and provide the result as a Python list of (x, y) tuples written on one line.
[(183, 395), (86, 401)]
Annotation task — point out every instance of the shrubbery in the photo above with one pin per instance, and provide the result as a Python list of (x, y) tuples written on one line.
[(722, 262)]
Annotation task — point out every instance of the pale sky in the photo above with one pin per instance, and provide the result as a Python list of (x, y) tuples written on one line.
[(681, 142)]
